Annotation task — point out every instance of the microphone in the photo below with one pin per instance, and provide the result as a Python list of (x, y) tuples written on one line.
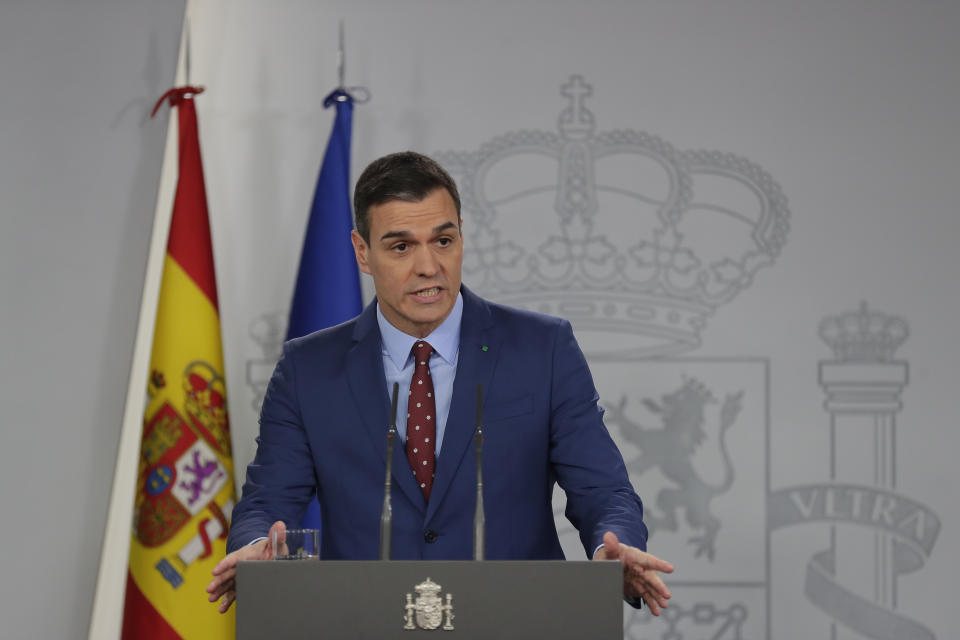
[(479, 520), (386, 516)]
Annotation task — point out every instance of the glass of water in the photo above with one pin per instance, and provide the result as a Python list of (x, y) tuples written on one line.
[(296, 544)]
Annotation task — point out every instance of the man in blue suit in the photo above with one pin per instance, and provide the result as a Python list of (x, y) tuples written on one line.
[(323, 427)]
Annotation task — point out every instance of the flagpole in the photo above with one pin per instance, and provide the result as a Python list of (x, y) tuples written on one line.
[(108, 602)]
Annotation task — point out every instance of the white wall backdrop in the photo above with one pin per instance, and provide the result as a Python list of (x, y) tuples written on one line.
[(740, 175), (698, 282), (79, 166)]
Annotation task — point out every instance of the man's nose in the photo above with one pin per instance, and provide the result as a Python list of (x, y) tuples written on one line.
[(425, 262)]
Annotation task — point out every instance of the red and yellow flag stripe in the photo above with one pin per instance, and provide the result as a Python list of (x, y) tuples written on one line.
[(185, 489)]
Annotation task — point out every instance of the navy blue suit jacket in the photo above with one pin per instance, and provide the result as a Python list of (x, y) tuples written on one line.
[(324, 423)]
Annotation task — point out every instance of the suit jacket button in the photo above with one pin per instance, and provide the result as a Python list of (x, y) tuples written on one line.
[(430, 536)]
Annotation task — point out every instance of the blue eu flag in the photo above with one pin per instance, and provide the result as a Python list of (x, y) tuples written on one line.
[(328, 284)]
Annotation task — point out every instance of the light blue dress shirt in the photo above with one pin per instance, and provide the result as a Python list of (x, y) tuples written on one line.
[(398, 365)]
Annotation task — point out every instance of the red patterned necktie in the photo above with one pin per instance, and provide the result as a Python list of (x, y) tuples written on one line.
[(421, 419)]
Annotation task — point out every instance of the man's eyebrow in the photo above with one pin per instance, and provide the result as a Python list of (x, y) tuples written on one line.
[(395, 234), (443, 227)]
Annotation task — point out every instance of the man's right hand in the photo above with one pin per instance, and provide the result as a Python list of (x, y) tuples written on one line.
[(223, 587)]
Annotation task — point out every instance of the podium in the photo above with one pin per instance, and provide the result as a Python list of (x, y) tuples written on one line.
[(407, 600)]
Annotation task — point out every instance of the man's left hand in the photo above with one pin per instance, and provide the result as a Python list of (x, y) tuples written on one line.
[(641, 572)]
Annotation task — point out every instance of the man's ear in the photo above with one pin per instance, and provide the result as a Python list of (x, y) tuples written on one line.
[(360, 249)]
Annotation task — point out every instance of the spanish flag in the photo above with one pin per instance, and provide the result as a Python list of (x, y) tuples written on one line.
[(185, 490)]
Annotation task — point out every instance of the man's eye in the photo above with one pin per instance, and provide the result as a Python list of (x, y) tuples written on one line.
[(402, 246), (443, 242)]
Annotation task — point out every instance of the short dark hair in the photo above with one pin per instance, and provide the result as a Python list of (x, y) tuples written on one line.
[(407, 176)]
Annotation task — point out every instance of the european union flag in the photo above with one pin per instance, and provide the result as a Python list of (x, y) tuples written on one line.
[(328, 283)]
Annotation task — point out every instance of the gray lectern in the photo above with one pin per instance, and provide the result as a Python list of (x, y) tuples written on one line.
[(408, 600)]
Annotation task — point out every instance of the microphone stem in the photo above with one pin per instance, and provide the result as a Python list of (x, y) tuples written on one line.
[(479, 519), (386, 516)]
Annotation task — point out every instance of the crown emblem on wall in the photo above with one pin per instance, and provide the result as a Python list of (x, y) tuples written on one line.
[(864, 335), (617, 231)]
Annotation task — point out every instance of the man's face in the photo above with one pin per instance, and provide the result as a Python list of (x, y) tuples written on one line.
[(414, 255)]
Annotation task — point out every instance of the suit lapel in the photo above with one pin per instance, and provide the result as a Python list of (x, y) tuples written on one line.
[(371, 398), (479, 350)]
